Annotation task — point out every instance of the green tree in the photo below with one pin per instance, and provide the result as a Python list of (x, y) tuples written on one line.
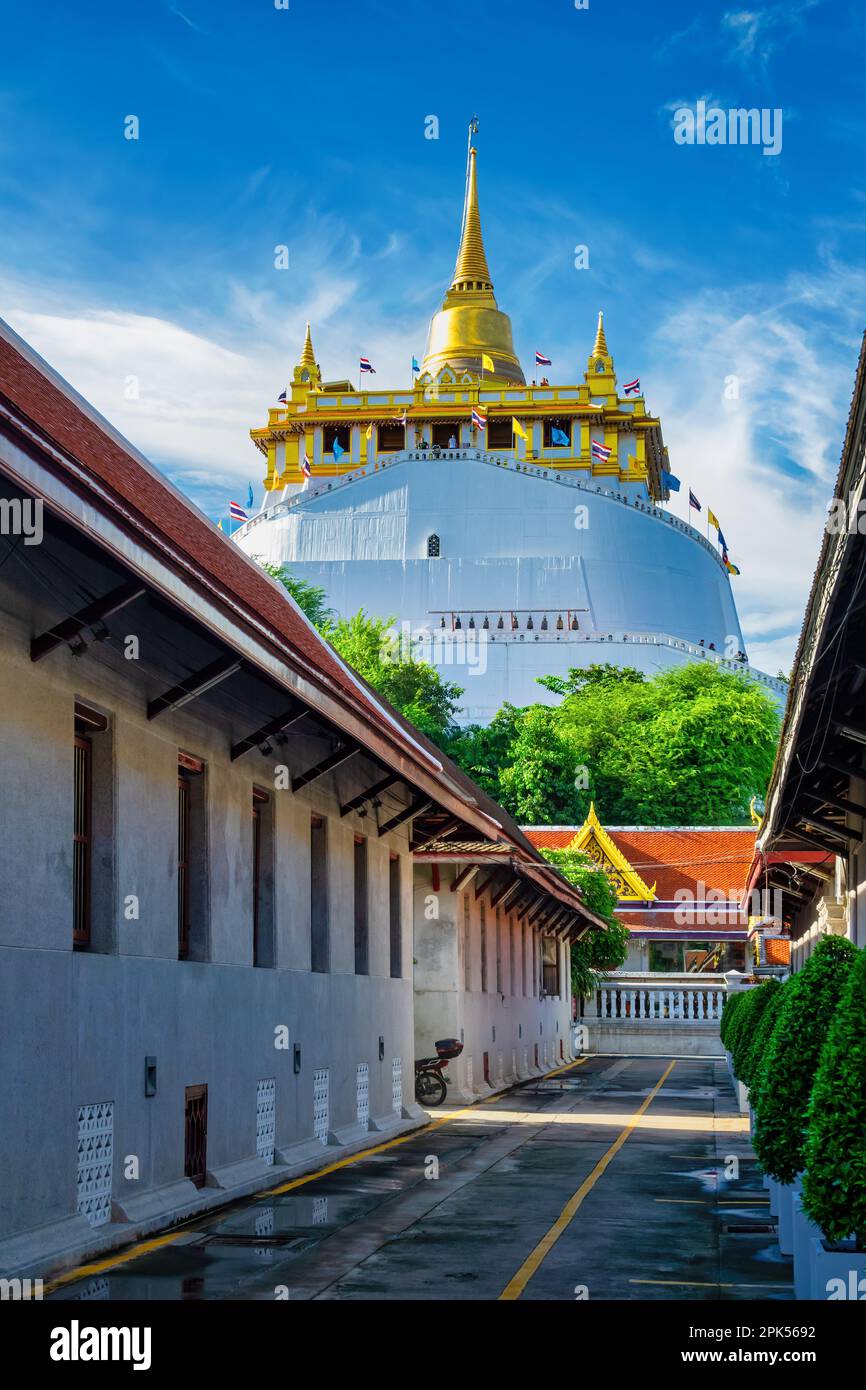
[(598, 950), (368, 645), (309, 597), (688, 746)]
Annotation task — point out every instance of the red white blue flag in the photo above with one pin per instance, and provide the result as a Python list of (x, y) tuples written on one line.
[(282, 397), (479, 419), (632, 387), (305, 467), (236, 512), (693, 501), (367, 365), (600, 451), (541, 360)]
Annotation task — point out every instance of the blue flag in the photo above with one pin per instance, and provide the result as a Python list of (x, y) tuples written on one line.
[(338, 451), (559, 436), (249, 494), (722, 542), (669, 482), (415, 367)]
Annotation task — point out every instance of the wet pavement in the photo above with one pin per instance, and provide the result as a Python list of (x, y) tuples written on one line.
[(593, 1184)]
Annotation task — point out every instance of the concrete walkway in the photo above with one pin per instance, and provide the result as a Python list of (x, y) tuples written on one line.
[(618, 1178)]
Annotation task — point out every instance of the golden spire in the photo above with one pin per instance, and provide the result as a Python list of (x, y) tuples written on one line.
[(470, 326), (308, 357), (600, 349), (471, 260)]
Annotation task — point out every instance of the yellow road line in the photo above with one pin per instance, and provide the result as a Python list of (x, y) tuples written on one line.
[(697, 1284), (145, 1247), (514, 1288)]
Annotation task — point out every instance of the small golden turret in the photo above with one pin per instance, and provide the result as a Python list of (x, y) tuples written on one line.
[(600, 349)]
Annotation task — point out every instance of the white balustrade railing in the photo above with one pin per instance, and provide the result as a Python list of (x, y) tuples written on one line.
[(662, 999)]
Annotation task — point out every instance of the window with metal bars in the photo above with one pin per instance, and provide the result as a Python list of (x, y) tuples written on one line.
[(320, 949), (483, 916), (81, 842), (396, 916), (549, 965), (362, 941), (88, 722), (183, 843), (190, 858), (195, 1135)]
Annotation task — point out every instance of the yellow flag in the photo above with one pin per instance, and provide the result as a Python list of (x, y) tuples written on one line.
[(369, 430), (487, 363), (712, 519), (518, 428), (220, 524)]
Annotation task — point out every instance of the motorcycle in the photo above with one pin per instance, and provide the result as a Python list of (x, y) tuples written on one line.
[(430, 1080)]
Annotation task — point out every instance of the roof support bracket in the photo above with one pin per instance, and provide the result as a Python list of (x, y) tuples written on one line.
[(415, 809), (96, 612), (341, 755), (268, 731), (194, 685), (370, 794)]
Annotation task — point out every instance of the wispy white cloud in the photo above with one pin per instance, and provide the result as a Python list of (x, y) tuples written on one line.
[(759, 32)]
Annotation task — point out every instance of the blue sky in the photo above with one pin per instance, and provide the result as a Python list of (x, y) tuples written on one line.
[(260, 126)]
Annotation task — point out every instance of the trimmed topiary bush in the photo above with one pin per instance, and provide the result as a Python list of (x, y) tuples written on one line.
[(834, 1185), (759, 1051), (749, 1049), (729, 1009), (740, 1030), (811, 998)]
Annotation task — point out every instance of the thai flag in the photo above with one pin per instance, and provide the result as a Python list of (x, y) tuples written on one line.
[(479, 419), (600, 451), (693, 501), (541, 360), (632, 387), (367, 365), (236, 512), (282, 398), (305, 467)]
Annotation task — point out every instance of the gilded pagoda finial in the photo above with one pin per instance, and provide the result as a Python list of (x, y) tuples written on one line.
[(600, 349), (471, 258), (308, 357)]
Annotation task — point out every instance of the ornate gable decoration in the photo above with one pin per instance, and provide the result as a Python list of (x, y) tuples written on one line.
[(593, 840)]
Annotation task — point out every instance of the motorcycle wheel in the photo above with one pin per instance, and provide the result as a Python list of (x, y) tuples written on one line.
[(429, 1089)]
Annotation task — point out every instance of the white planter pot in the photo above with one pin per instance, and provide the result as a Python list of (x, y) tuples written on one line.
[(804, 1231), (774, 1197), (785, 1201), (837, 1274)]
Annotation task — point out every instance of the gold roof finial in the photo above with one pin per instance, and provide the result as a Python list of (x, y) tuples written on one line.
[(600, 349), (308, 357), (471, 259)]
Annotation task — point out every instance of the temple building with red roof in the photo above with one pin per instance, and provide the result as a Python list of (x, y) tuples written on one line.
[(679, 889)]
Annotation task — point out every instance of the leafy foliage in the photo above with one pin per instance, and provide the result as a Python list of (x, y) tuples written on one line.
[(755, 1061), (740, 1028), (686, 747), (811, 998), (748, 1037), (413, 687), (729, 1009), (597, 951), (834, 1186)]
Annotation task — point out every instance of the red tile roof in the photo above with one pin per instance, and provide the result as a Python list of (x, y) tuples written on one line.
[(675, 858)]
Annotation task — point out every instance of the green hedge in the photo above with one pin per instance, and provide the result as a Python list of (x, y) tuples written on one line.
[(801, 1029), (729, 1009), (753, 1043), (741, 1029), (834, 1186), (756, 1060)]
